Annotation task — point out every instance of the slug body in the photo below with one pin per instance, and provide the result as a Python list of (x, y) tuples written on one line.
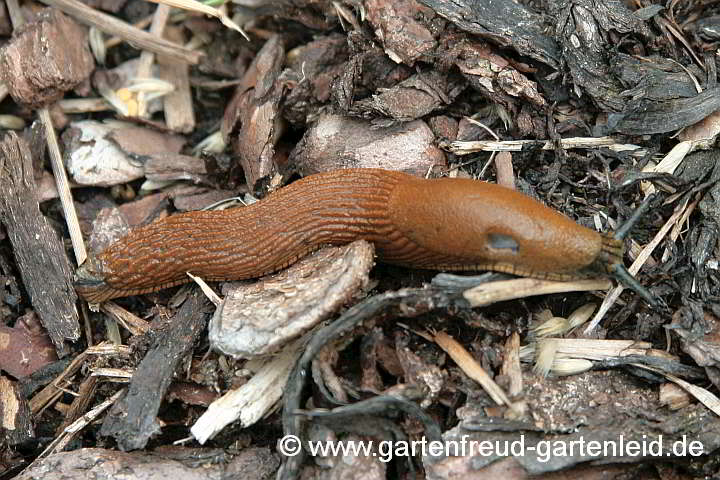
[(448, 224)]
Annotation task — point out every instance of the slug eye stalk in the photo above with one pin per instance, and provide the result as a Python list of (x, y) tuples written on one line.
[(618, 270), (622, 275)]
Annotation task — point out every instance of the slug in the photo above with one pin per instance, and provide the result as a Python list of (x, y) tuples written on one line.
[(443, 224)]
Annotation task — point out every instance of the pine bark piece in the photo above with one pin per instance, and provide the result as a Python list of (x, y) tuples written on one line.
[(315, 68), (251, 123), (38, 83), (582, 30), (97, 154), (491, 73), (345, 467), (336, 142), (616, 417), (405, 38), (252, 463), (413, 98), (141, 141), (133, 419), (643, 117), (40, 255), (197, 198), (504, 22), (5, 25), (101, 464), (261, 317), (166, 167), (26, 347)]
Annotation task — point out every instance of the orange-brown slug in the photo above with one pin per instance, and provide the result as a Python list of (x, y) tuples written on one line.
[(444, 223)]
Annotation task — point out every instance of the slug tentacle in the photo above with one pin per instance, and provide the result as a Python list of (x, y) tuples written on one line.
[(626, 227), (449, 224), (616, 268)]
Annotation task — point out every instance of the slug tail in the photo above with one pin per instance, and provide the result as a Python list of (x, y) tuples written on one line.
[(91, 283)]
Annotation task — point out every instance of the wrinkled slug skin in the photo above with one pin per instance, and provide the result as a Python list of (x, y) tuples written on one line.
[(454, 224)]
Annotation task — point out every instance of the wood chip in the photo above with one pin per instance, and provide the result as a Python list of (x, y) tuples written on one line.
[(260, 317), (251, 123), (133, 419), (253, 400), (336, 142), (40, 255), (26, 347), (16, 423), (38, 83)]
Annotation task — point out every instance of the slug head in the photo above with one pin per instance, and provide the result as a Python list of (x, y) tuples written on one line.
[(472, 225)]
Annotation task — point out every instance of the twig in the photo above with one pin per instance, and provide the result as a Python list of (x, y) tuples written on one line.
[(592, 349), (84, 105), (49, 393), (253, 400), (63, 187), (140, 24), (704, 396), (465, 148), (178, 104), (147, 58), (471, 367), (135, 36), (511, 364), (206, 289), (74, 428), (133, 323), (501, 291), (196, 6)]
